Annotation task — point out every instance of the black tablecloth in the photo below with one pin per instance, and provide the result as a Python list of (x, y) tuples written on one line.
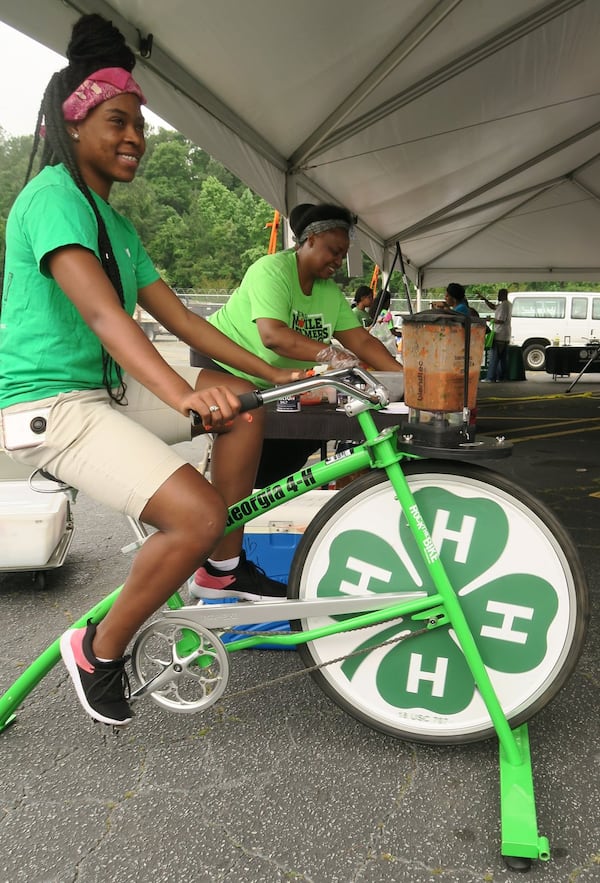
[(563, 360)]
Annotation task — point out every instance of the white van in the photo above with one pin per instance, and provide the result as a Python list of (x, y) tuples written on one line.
[(542, 318)]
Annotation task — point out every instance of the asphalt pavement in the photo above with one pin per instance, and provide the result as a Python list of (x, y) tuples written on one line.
[(280, 784)]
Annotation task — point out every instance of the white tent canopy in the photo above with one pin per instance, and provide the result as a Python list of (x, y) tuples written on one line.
[(466, 130)]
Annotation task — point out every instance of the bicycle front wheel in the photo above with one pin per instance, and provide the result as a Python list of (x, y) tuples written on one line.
[(513, 567)]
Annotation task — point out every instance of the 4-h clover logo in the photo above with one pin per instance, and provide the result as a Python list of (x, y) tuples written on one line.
[(509, 613)]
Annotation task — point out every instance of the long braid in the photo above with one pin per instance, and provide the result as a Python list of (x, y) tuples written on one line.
[(95, 44)]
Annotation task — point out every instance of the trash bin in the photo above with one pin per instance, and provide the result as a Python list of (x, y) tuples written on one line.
[(515, 368)]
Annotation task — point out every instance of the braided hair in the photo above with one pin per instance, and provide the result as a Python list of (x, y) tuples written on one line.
[(95, 44)]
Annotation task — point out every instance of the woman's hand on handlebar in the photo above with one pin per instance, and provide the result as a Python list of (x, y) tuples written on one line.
[(217, 406)]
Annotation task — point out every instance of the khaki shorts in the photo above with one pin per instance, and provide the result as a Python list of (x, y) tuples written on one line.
[(118, 455)]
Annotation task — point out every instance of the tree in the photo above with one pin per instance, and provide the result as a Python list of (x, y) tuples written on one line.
[(138, 202), (14, 156), (168, 171), (199, 223)]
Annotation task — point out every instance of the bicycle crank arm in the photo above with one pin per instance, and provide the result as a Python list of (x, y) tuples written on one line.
[(226, 615), (170, 673)]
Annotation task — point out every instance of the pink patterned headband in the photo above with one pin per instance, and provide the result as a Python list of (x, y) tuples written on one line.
[(99, 87)]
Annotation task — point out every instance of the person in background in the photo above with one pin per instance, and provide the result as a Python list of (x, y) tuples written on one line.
[(497, 368), (456, 299), (288, 309), (83, 392), (362, 304)]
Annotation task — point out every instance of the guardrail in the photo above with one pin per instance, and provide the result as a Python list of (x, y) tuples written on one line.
[(209, 300)]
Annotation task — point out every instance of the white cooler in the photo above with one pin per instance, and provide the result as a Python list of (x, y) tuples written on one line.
[(32, 525)]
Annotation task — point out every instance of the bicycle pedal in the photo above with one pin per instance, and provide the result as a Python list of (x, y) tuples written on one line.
[(115, 729)]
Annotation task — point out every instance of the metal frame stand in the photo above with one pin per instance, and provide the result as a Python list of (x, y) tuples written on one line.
[(591, 359)]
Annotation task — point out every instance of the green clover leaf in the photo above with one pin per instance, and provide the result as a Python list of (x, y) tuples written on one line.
[(470, 533), (360, 562), (510, 618), (427, 671)]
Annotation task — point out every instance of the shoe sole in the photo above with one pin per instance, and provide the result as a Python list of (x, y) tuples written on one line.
[(68, 658), (215, 594)]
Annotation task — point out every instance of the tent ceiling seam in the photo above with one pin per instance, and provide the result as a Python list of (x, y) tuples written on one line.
[(167, 70), (324, 196), (377, 75), (500, 200), (456, 130), (427, 84), (520, 272), (587, 190), (500, 179), (484, 227)]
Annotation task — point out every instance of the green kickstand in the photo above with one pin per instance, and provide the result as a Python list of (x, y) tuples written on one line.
[(521, 841)]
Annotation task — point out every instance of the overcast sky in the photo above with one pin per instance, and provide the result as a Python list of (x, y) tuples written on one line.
[(19, 107)]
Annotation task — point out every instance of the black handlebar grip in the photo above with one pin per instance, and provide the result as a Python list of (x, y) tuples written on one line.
[(248, 400)]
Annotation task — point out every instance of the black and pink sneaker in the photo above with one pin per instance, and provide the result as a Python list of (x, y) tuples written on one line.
[(101, 687), (247, 582)]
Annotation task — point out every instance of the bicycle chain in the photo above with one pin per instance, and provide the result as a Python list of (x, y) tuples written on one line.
[(308, 670)]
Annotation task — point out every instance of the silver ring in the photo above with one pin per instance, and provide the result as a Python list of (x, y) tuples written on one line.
[(213, 408)]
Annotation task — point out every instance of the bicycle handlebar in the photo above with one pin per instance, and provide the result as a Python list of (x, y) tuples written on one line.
[(361, 399), (373, 393)]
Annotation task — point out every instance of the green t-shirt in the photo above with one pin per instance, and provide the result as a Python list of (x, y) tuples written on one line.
[(362, 316), (271, 289), (45, 346)]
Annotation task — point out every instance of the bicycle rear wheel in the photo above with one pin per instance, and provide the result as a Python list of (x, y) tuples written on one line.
[(513, 566)]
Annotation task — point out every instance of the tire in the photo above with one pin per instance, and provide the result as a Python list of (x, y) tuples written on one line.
[(534, 357), (40, 580), (518, 573)]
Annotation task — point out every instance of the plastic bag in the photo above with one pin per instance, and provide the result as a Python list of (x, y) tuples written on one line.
[(382, 331), (337, 357)]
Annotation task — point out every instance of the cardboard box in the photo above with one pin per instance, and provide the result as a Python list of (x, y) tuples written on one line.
[(271, 539), (31, 524)]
